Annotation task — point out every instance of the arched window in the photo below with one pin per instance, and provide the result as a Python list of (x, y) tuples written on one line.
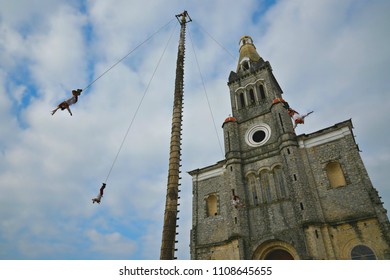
[(361, 252), (252, 97), (212, 205), (335, 174), (280, 182), (262, 92), (253, 190), (241, 100), (245, 65), (266, 189)]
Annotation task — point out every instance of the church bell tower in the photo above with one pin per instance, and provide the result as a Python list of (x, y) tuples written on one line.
[(278, 195), (253, 89)]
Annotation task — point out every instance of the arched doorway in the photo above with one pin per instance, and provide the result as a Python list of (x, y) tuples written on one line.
[(279, 254), (275, 250)]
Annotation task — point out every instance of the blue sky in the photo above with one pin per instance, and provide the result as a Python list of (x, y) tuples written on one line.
[(328, 56)]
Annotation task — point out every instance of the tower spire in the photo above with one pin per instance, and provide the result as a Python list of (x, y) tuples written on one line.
[(171, 204), (248, 53)]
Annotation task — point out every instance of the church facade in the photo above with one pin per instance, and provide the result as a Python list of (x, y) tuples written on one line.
[(278, 195)]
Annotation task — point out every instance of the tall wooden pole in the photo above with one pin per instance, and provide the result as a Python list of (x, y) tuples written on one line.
[(170, 215)]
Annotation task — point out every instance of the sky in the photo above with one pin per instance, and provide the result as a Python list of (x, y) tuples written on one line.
[(330, 56)]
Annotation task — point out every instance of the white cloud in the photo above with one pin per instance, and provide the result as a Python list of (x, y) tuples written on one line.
[(111, 244)]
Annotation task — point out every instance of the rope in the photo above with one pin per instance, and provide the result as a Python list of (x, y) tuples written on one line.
[(207, 98), (139, 106), (120, 60)]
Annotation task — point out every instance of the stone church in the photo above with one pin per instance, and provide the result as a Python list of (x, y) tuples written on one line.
[(278, 195)]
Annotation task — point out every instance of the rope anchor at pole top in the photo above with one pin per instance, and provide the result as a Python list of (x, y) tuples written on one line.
[(184, 17)]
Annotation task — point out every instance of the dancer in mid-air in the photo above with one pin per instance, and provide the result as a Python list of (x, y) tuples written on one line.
[(297, 118), (66, 104), (100, 195), (236, 201)]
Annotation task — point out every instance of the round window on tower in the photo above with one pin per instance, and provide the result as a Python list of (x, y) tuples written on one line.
[(258, 135)]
